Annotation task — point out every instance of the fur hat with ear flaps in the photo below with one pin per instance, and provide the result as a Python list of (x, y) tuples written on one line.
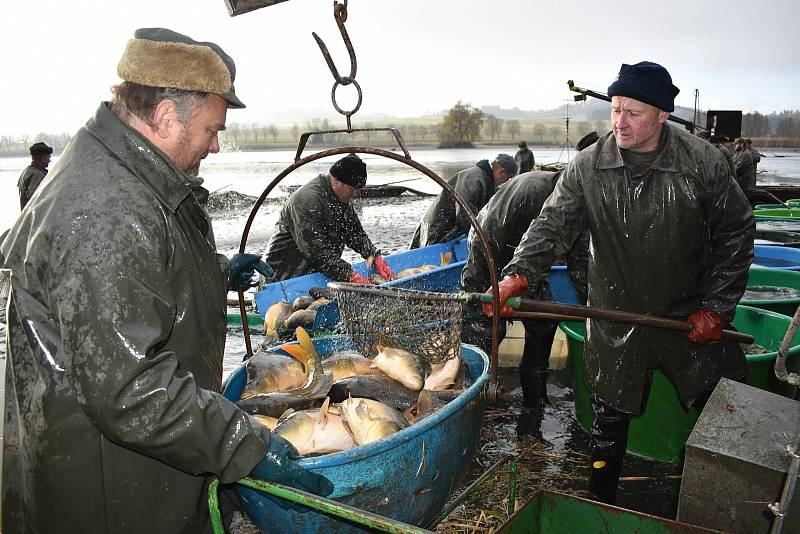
[(157, 57)]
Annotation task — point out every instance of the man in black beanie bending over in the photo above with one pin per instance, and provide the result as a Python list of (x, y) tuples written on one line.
[(671, 235), (318, 221)]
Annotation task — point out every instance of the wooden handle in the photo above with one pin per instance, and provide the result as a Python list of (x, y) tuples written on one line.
[(617, 316)]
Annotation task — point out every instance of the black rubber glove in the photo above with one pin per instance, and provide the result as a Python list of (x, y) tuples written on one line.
[(242, 269), (280, 465)]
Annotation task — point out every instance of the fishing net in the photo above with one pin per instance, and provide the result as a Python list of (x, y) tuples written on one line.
[(425, 323)]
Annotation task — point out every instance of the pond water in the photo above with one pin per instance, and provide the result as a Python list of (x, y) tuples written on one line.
[(770, 293)]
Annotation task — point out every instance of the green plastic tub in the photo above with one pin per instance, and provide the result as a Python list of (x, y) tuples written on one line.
[(763, 276), (793, 202), (661, 431), (793, 213), (254, 320), (770, 206), (550, 512)]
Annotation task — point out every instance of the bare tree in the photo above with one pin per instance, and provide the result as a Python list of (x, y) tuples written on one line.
[(494, 126), (513, 128), (273, 131), (556, 132), (539, 130), (295, 131)]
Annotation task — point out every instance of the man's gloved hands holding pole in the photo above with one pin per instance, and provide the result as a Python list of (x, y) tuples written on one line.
[(280, 465), (514, 285), (706, 326), (242, 270)]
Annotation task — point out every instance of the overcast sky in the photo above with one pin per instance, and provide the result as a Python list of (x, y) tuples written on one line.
[(59, 57)]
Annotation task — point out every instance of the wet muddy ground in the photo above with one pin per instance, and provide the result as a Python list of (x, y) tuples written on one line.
[(551, 450)]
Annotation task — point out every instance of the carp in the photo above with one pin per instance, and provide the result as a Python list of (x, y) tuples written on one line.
[(369, 420), (343, 364), (402, 365), (302, 302), (300, 318), (408, 272), (269, 372), (443, 375), (426, 405), (315, 431), (269, 422), (427, 267), (275, 316), (380, 388), (322, 301)]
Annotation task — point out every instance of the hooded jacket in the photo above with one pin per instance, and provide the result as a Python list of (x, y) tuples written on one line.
[(113, 420), (677, 239), (444, 220)]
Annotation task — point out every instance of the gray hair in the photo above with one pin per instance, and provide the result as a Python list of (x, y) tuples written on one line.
[(141, 100)]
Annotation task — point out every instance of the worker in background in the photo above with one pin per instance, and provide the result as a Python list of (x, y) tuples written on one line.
[(756, 155), (671, 235), (504, 220), (114, 417), (318, 221), (743, 164), (717, 142), (34, 173), (524, 158), (445, 220)]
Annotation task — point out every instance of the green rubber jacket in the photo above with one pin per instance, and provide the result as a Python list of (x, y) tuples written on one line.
[(113, 420), (312, 230), (504, 220), (444, 220), (677, 240)]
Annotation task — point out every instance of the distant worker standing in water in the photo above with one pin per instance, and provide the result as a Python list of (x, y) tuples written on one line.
[(524, 158), (444, 219), (318, 221), (34, 173), (743, 163), (756, 155), (671, 235)]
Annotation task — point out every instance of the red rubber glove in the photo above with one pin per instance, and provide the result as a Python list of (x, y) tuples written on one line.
[(382, 268), (356, 278), (706, 326), (514, 285)]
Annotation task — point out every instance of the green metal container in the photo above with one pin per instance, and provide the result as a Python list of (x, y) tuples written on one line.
[(661, 431), (793, 213), (770, 206), (550, 512), (763, 276)]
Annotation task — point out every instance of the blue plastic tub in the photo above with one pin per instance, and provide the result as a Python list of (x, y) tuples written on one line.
[(407, 476), (775, 257)]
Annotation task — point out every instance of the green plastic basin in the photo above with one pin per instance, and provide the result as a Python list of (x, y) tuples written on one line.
[(661, 431), (793, 202), (770, 206), (254, 320), (793, 213), (763, 276)]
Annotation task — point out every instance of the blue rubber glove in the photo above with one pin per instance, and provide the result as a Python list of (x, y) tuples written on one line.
[(242, 268), (280, 465)]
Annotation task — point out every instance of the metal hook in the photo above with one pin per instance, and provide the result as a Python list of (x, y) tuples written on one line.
[(340, 14)]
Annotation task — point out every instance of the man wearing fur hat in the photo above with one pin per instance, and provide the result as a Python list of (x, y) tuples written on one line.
[(318, 221), (34, 173), (117, 317), (671, 235), (445, 220)]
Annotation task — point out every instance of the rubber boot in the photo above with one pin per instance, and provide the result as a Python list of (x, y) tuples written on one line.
[(607, 443), (534, 386)]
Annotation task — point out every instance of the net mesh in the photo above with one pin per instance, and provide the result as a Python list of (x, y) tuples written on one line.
[(413, 320)]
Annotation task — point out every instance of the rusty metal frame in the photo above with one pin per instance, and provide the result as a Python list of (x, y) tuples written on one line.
[(424, 170)]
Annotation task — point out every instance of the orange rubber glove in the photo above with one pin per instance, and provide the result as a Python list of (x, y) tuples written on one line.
[(706, 326), (356, 278), (382, 268), (514, 285)]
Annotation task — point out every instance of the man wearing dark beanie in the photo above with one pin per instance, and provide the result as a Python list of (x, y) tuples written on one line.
[(318, 221), (671, 235)]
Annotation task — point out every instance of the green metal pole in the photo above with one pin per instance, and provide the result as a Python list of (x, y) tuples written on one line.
[(213, 508), (336, 509), (512, 485)]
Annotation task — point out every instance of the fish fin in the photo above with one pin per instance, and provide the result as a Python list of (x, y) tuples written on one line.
[(284, 415), (444, 259), (305, 341), (322, 416), (362, 410), (298, 352), (424, 401)]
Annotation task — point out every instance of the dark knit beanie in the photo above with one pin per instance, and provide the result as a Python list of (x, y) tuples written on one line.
[(646, 82), (350, 170), (40, 149)]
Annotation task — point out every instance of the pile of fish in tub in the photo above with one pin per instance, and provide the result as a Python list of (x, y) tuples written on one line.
[(323, 406)]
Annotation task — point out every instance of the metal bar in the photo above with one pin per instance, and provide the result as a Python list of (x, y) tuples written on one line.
[(245, 325), (237, 7), (540, 316), (213, 508), (781, 508), (306, 135), (780, 361), (588, 92), (334, 508), (472, 487)]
